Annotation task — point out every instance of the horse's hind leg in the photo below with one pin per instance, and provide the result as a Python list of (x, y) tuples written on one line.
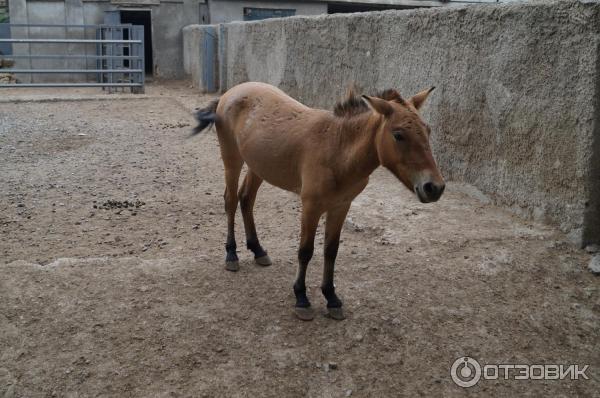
[(247, 196), (233, 167)]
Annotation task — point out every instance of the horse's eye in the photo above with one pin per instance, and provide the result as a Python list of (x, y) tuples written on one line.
[(398, 135)]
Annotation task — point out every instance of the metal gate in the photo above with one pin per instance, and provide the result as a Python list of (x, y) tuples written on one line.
[(49, 56), (209, 59)]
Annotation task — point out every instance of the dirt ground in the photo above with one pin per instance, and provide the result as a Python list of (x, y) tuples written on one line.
[(99, 301)]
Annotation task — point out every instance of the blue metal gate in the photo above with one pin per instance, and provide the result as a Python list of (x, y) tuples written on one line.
[(209, 61), (5, 48)]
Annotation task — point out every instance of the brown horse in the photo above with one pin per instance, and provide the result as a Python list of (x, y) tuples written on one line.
[(325, 157)]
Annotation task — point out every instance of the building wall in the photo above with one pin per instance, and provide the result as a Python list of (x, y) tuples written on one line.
[(168, 19), (227, 11), (516, 111)]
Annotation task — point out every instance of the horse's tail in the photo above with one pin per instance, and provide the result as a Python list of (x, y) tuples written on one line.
[(206, 117)]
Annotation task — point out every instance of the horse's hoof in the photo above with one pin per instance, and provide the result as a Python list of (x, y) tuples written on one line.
[(304, 313), (265, 260), (233, 266), (336, 313)]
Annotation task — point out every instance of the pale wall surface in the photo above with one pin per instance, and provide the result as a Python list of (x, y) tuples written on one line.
[(192, 52), (516, 105)]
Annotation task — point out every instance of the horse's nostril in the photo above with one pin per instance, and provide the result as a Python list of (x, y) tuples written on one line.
[(429, 188)]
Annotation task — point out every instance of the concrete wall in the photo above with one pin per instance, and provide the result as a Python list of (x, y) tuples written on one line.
[(196, 56), (168, 19), (227, 11), (192, 53), (516, 111)]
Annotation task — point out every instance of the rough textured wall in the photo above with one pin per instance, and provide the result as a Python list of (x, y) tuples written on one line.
[(516, 98)]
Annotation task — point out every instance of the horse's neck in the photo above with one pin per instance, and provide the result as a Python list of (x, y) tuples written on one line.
[(357, 146)]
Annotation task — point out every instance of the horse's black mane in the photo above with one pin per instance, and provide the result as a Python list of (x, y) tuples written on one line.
[(352, 104)]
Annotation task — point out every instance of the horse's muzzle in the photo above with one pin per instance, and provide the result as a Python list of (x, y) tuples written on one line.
[(429, 191)]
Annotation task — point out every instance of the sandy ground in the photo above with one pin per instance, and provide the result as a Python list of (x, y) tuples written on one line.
[(99, 301)]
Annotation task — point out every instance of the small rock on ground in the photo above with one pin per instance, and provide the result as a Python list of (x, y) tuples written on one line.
[(592, 248), (594, 264)]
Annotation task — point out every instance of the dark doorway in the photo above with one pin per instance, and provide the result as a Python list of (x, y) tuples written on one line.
[(142, 18), (334, 8)]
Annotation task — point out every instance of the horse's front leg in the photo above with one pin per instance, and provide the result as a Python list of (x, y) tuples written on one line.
[(333, 228), (310, 221)]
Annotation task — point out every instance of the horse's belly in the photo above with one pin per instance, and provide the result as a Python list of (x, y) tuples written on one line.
[(278, 179), (273, 160)]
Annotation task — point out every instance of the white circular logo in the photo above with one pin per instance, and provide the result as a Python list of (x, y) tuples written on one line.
[(465, 372)]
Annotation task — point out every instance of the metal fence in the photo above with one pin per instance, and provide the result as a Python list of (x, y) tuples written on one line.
[(49, 56)]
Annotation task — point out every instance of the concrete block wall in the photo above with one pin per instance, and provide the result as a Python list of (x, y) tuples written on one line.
[(192, 53), (48, 12), (196, 56), (168, 19), (516, 111)]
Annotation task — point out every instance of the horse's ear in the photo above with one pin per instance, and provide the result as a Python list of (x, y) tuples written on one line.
[(418, 99), (378, 105)]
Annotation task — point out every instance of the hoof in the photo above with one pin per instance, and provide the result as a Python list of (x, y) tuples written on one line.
[(264, 260), (336, 313), (232, 266), (304, 313)]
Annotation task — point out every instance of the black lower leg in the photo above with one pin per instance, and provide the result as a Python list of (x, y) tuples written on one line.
[(252, 244), (301, 297), (328, 289), (304, 256), (231, 247), (332, 299)]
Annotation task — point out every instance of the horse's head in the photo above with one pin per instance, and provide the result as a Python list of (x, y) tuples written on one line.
[(402, 142)]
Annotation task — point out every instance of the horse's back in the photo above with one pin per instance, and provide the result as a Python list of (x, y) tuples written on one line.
[(270, 129), (257, 94)]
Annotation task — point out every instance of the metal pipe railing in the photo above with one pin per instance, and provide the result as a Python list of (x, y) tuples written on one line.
[(118, 55), (81, 41), (71, 70), (52, 56), (72, 85)]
